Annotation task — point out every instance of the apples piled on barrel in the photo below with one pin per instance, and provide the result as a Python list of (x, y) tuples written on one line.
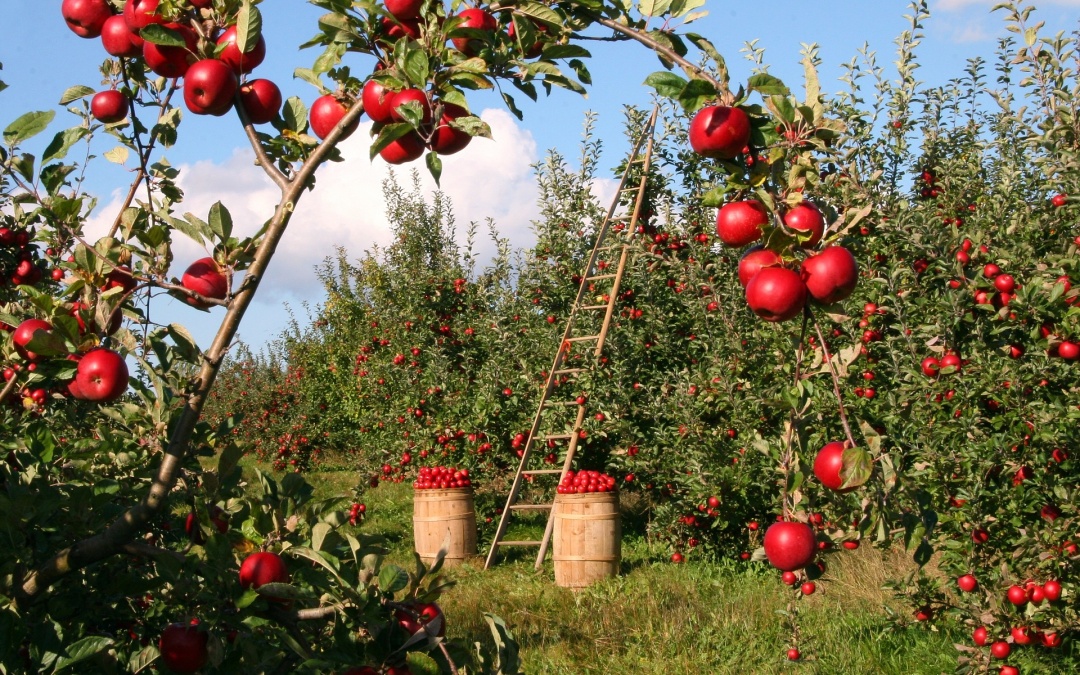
[(442, 478), (788, 269), (585, 481)]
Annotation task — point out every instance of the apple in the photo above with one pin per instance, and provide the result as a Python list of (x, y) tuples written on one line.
[(1070, 351), (740, 223), (102, 375), (677, 557), (1021, 635), (753, 260), (261, 100), (264, 567), (85, 18), (377, 99), (990, 270), (1050, 640), (1052, 590), (404, 149), (139, 14), (477, 20), (117, 40), (808, 588), (951, 360), (445, 139), (1000, 650), (109, 106), (1017, 595), (828, 465), (325, 114), (209, 87), (967, 583), (1005, 283), (831, 275), (193, 531), (806, 218), (207, 279), (404, 9), (240, 62), (776, 293), (719, 131), (1009, 670), (790, 545), (120, 277), (980, 636), (404, 96), (931, 366), (395, 30), (183, 648), (171, 61), (793, 654), (1059, 200), (537, 48), (418, 616), (24, 333)]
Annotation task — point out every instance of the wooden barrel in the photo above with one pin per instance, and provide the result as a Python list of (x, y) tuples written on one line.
[(587, 538), (436, 512)]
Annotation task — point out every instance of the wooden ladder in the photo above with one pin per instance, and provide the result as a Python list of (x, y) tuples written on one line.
[(626, 224)]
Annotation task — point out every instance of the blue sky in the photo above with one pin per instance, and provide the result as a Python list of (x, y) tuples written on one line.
[(41, 58)]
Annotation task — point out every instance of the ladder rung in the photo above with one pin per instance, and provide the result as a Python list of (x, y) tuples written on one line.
[(583, 338), (630, 189), (569, 371), (555, 437), (534, 472), (517, 543), (592, 307), (611, 247), (601, 276), (531, 507), (560, 403), (628, 216)]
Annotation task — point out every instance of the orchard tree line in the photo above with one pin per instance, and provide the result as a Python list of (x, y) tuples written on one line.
[(898, 367)]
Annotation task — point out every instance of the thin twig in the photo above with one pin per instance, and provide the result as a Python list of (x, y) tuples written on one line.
[(835, 378)]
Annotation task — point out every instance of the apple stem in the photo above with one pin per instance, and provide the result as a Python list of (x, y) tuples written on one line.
[(835, 377)]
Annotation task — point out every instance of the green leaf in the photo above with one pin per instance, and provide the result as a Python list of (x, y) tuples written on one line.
[(923, 553), (857, 468), (295, 114), (666, 84), (160, 35), (27, 126), (53, 177), (767, 85), (557, 51), (220, 221), (75, 93), (83, 649), (248, 27), (434, 165), (118, 155), (422, 664), (185, 343), (391, 132), (392, 579), (654, 7)]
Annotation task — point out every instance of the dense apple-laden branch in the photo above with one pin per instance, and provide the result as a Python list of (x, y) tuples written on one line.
[(113, 539)]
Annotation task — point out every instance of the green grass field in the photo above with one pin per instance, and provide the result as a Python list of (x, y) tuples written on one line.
[(658, 617)]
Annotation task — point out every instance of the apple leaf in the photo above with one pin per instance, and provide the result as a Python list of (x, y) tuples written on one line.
[(434, 165), (696, 94), (392, 579), (52, 176), (557, 51), (665, 83), (683, 7), (541, 13), (329, 59), (422, 664), (27, 126), (185, 342), (857, 468), (220, 221), (75, 93), (157, 34), (142, 660), (654, 7), (295, 114), (767, 85), (506, 659), (81, 650), (118, 155), (248, 27)]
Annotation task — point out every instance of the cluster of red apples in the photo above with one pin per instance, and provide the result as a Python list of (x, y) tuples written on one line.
[(581, 482), (442, 478), (775, 289)]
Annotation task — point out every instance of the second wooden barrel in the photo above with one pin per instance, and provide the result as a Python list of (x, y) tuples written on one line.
[(586, 538)]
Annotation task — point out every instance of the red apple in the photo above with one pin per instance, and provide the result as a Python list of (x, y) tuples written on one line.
[(404, 9), (831, 275), (776, 293), (406, 95), (1000, 650), (404, 149), (85, 18), (118, 40), (183, 648), (206, 278), (931, 366), (828, 466), (24, 333), (445, 139), (259, 569), (109, 106), (425, 613), (1052, 590), (967, 583), (740, 223), (753, 260), (806, 218), (1070, 351), (476, 20), (719, 131), (261, 100), (139, 14), (102, 375), (1017, 595), (395, 30), (1059, 200), (325, 113), (790, 545), (240, 62), (980, 636), (171, 61), (377, 99), (534, 50), (209, 87)]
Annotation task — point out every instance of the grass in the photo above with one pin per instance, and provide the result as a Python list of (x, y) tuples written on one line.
[(657, 617)]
